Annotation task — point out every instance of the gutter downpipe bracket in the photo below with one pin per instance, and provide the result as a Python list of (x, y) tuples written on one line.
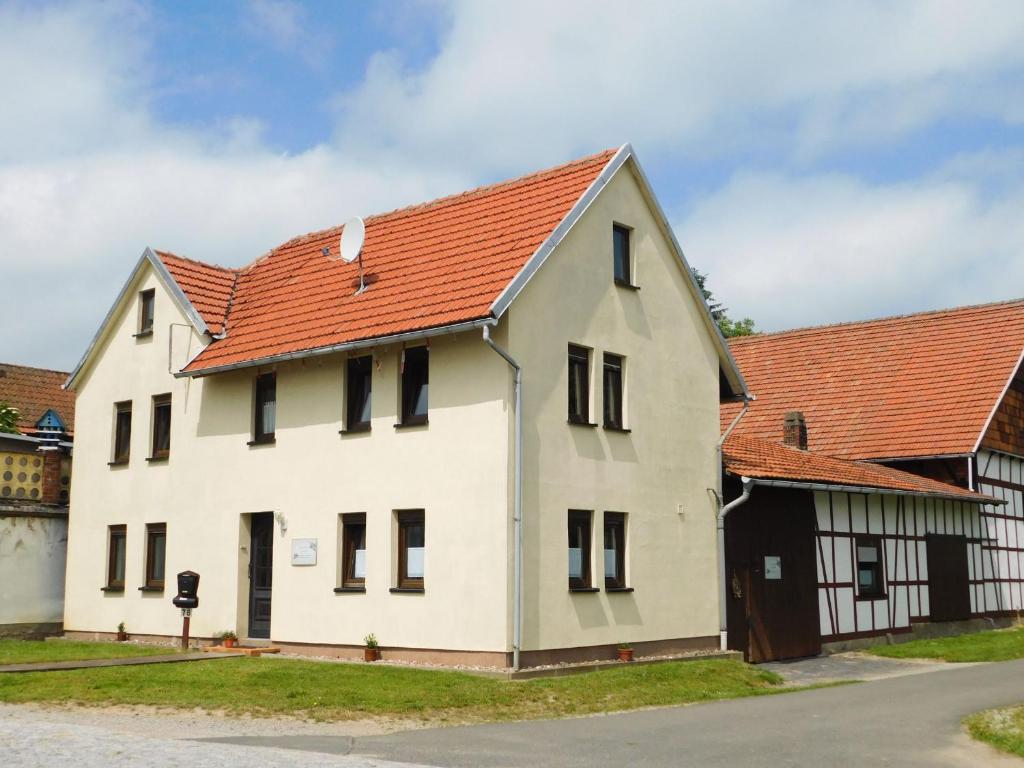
[(517, 515)]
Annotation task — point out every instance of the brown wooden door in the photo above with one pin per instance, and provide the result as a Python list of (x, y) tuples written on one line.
[(772, 576), (949, 592)]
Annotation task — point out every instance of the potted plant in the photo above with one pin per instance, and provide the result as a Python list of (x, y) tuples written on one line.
[(625, 652), (228, 639), (372, 650), (122, 633)]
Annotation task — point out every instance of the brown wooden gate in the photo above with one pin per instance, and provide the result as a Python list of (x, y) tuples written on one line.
[(772, 576), (949, 592)]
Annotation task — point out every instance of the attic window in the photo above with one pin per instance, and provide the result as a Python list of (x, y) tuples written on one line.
[(146, 301), (621, 255)]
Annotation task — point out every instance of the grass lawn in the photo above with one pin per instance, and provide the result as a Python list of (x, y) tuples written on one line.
[(994, 645), (326, 691), (1002, 728), (27, 651)]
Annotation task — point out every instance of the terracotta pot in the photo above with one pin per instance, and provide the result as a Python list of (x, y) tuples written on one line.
[(625, 654), (122, 636), (371, 654), (230, 642)]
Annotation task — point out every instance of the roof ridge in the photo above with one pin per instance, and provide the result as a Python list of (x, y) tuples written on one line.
[(439, 200), (33, 368), (161, 252), (871, 321)]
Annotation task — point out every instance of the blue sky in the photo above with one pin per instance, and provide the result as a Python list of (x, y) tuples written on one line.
[(823, 162)]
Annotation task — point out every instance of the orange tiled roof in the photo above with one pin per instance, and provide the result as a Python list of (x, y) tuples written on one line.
[(430, 265), (765, 460), (208, 287), (33, 391), (916, 385)]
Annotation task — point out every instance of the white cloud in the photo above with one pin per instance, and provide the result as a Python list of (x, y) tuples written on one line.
[(792, 251), (285, 25)]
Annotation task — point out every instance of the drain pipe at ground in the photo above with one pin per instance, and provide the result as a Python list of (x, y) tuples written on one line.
[(723, 510), (517, 515)]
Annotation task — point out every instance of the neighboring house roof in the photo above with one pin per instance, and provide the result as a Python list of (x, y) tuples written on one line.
[(209, 288), (911, 386), (764, 460), (34, 391)]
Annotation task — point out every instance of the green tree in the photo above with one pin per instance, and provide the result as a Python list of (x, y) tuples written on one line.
[(728, 326), (8, 418)]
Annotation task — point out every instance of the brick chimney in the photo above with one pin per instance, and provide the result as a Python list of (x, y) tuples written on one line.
[(51, 477), (794, 430)]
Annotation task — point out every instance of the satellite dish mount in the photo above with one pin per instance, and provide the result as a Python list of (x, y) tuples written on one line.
[(352, 237)]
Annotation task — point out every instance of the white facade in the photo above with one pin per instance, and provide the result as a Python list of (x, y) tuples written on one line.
[(1001, 476)]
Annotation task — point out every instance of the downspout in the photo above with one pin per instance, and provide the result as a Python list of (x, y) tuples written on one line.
[(517, 515), (723, 510)]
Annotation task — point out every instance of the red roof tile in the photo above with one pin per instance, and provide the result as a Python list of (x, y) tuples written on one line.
[(915, 385), (432, 265), (208, 287), (765, 460), (34, 391)]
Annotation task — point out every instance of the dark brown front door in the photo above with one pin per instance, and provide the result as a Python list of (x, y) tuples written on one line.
[(949, 592), (772, 576), (261, 574)]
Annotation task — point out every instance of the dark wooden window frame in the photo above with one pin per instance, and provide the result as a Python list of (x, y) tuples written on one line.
[(623, 276), (115, 582), (358, 389), (122, 448), (264, 391), (155, 531), (878, 592), (615, 521), (579, 371), (353, 532), (414, 377), (581, 527), (613, 378), (161, 410), (147, 311), (408, 519)]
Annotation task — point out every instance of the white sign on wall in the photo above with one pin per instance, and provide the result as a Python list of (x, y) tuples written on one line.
[(772, 567), (303, 551)]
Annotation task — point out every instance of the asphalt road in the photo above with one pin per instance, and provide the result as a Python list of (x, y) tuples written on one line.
[(903, 721)]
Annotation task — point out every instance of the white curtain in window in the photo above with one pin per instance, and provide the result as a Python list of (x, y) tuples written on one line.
[(575, 562), (609, 563), (414, 562), (267, 417), (360, 564)]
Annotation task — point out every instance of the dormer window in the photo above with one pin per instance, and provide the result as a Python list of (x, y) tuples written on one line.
[(146, 301), (621, 255)]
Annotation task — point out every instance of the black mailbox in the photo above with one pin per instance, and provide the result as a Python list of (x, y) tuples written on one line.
[(188, 590)]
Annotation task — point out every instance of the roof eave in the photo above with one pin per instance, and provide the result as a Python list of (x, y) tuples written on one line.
[(812, 485)]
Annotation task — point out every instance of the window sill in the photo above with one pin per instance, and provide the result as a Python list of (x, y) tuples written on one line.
[(584, 589), (407, 590), (618, 589), (142, 334), (349, 590), (627, 286), (157, 459), (151, 589), (115, 590), (358, 429), (588, 424), (411, 424), (611, 428), (120, 463), (261, 441)]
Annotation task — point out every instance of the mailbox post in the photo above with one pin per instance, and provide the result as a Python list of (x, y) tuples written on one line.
[(186, 599)]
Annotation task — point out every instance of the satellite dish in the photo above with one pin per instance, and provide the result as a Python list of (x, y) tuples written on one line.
[(352, 239)]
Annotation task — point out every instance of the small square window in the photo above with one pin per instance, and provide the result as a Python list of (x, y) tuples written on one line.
[(613, 391), (156, 551), (122, 432), (622, 256), (265, 416), (870, 578), (358, 386), (411, 548), (415, 384), (579, 549), (579, 384), (117, 536), (614, 550), (147, 299), (161, 448), (353, 549)]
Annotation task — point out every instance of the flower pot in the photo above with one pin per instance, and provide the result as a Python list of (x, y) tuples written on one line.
[(371, 654), (122, 636), (625, 654), (230, 642)]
